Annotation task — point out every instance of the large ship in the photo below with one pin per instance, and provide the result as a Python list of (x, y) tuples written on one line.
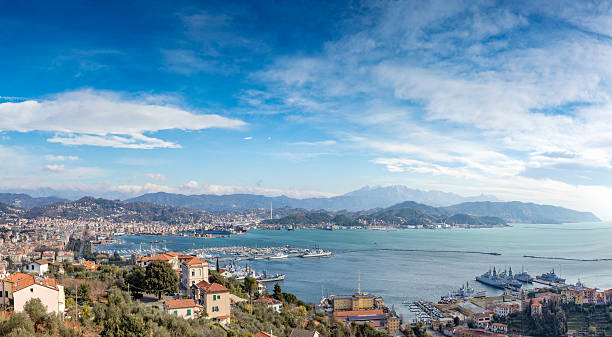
[(550, 277), (524, 277), (317, 253), (501, 280), (465, 292), (270, 278)]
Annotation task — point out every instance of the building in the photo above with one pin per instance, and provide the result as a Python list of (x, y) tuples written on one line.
[(502, 310), (355, 302), (499, 328), (483, 319), (297, 332), (193, 271), (215, 299), (185, 308), (376, 318), (38, 267), (64, 256), (170, 257), (466, 332), (272, 303), (19, 288), (263, 334)]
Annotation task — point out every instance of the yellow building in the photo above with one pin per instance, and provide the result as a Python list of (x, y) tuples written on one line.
[(355, 302)]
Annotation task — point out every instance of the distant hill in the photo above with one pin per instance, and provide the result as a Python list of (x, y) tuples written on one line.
[(362, 199), (470, 213), (405, 214), (516, 211), (89, 208), (25, 201)]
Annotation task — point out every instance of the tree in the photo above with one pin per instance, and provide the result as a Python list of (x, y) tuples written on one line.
[(17, 321), (278, 292), (37, 313), (250, 285), (84, 291), (136, 279), (161, 278), (218, 268)]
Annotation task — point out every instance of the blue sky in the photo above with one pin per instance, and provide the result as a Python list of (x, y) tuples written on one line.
[(309, 98)]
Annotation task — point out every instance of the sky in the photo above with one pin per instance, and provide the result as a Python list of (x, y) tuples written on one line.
[(309, 98)]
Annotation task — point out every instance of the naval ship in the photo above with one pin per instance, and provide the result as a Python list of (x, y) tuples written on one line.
[(551, 277), (499, 280)]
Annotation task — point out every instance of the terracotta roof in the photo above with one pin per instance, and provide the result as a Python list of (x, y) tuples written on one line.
[(173, 254), (263, 334), (357, 313), (21, 281), (194, 260), (41, 262), (211, 287), (181, 303), (269, 301)]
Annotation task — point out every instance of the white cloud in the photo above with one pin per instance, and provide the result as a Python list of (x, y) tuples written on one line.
[(55, 168), (156, 176), (248, 138), (101, 118), (51, 157)]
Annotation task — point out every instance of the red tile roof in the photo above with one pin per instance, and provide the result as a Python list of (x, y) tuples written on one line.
[(194, 260), (21, 281), (263, 334), (181, 303), (211, 287), (269, 301)]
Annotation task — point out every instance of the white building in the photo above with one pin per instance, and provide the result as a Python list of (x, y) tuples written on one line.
[(19, 288), (38, 267)]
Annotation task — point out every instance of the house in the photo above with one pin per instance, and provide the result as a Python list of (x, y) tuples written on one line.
[(482, 319), (185, 308), (502, 310), (65, 256), (215, 298), (194, 271), (297, 332), (172, 259), (271, 303), (263, 334), (19, 288), (536, 309), (225, 273), (38, 267), (499, 327)]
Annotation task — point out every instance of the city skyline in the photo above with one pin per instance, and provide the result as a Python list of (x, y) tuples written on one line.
[(310, 99)]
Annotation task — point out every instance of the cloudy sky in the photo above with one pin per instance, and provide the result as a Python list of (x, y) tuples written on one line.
[(309, 98)]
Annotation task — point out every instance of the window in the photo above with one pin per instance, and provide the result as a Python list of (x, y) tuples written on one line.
[(31, 290), (215, 309), (188, 312), (175, 313), (214, 297), (192, 273)]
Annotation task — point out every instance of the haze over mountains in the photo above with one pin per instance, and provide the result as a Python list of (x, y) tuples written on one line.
[(391, 203), (362, 199)]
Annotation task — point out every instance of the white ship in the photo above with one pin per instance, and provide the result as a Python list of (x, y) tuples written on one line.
[(317, 253)]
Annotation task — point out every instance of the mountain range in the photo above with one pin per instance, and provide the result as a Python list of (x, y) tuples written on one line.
[(381, 202), (362, 199), (97, 209), (478, 214)]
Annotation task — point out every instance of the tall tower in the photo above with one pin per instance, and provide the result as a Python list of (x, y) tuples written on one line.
[(270, 210)]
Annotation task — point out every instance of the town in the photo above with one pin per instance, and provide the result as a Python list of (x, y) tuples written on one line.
[(56, 263)]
